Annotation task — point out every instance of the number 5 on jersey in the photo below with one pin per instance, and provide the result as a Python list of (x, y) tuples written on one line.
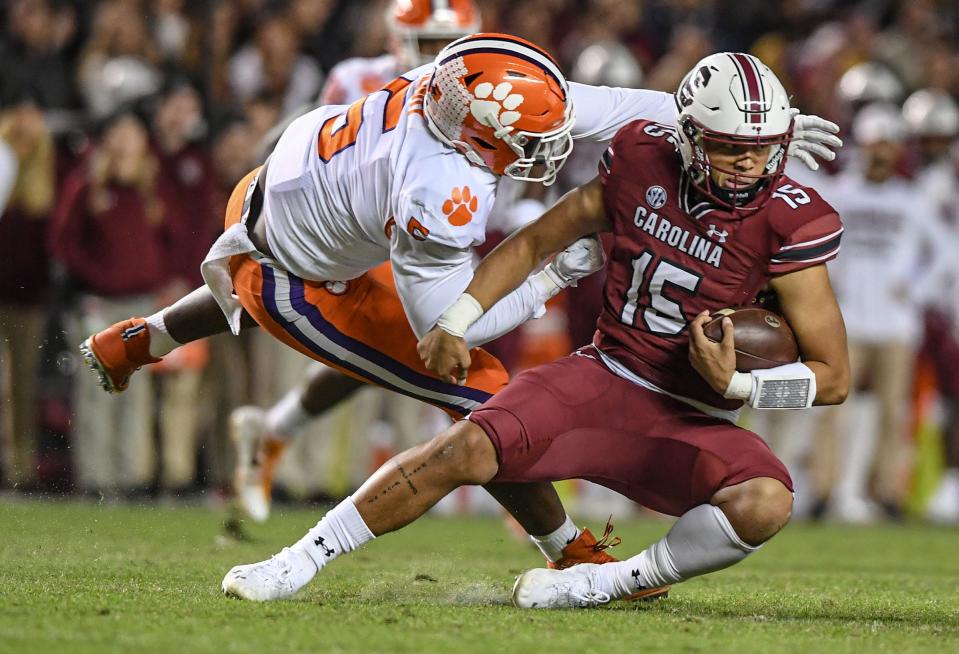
[(341, 131), (661, 316)]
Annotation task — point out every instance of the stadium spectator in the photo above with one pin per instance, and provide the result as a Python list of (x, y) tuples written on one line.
[(23, 284), (119, 61), (106, 204), (33, 53), (904, 45), (273, 63), (177, 33), (688, 45)]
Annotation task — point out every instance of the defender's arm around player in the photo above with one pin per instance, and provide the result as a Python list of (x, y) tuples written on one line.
[(639, 412)]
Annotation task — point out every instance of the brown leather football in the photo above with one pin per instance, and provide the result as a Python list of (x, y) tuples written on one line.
[(762, 338)]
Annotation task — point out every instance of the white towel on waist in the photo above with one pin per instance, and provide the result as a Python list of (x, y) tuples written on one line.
[(216, 271)]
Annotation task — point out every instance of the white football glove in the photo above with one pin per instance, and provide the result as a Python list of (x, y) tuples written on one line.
[(581, 259), (813, 137)]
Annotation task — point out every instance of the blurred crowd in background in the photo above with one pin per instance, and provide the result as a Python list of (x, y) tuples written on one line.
[(125, 124)]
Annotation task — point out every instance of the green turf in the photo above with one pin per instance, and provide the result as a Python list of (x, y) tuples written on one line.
[(82, 578)]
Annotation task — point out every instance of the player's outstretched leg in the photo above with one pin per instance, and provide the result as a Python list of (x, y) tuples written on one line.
[(706, 538), (403, 489), (118, 351), (261, 435)]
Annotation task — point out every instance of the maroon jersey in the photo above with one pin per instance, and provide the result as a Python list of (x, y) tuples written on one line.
[(676, 254)]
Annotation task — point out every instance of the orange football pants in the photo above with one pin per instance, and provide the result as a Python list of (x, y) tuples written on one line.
[(357, 327)]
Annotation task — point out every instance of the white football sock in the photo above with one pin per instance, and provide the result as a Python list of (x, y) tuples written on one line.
[(701, 541), (287, 417), (552, 544), (340, 531), (161, 343)]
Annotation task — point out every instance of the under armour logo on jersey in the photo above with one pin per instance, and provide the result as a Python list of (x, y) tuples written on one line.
[(719, 235), (461, 206), (481, 108)]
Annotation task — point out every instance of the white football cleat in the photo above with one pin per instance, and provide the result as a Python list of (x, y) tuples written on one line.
[(256, 457), (279, 577), (572, 588)]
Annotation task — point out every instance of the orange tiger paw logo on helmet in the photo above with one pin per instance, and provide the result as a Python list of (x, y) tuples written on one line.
[(461, 205)]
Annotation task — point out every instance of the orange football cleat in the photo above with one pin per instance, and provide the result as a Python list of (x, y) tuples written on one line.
[(117, 352), (586, 549)]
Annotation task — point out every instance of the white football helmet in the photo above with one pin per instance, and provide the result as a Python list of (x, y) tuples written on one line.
[(879, 122), (731, 97), (413, 21), (931, 113), (869, 82)]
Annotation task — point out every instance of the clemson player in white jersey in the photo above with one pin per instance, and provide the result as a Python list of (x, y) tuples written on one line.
[(418, 29), (407, 174)]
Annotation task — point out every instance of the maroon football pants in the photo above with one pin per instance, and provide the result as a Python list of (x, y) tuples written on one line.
[(574, 418)]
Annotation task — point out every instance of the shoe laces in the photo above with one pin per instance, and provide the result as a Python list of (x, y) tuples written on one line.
[(606, 542), (283, 567), (584, 599)]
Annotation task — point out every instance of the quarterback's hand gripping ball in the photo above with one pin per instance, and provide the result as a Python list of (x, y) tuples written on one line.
[(762, 338)]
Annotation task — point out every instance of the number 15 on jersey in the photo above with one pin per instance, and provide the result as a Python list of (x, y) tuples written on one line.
[(661, 315)]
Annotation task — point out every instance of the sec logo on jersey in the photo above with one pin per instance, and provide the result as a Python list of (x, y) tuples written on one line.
[(656, 196)]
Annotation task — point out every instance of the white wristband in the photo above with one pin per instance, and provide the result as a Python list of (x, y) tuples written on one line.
[(458, 318), (740, 387), (792, 386)]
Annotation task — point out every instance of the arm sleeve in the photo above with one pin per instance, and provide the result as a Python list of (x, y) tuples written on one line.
[(602, 110), (430, 277)]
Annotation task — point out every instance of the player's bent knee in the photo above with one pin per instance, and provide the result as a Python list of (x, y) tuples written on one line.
[(467, 452), (757, 508)]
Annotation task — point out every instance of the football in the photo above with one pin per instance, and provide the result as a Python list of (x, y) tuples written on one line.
[(762, 338)]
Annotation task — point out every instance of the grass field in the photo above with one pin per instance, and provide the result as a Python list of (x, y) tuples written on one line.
[(81, 578)]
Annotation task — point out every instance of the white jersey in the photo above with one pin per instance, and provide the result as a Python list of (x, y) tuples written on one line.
[(879, 279), (348, 188)]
